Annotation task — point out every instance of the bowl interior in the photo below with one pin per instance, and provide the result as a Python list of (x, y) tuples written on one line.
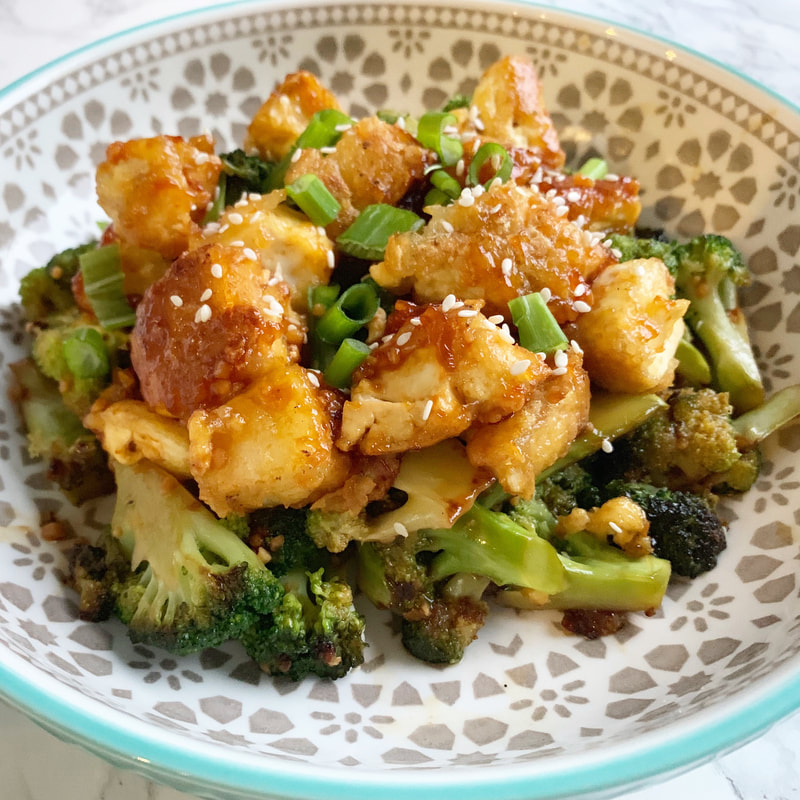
[(712, 153)]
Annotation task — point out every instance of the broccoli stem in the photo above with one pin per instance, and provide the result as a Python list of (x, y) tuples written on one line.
[(755, 425)]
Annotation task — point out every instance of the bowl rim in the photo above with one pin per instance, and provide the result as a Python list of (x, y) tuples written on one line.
[(208, 769)]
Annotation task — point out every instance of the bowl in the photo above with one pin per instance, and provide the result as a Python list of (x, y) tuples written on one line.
[(530, 712)]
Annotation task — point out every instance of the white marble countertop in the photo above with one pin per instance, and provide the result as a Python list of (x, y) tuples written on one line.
[(760, 39)]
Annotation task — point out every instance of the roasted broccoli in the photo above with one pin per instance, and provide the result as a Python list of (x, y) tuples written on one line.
[(683, 528), (571, 487)]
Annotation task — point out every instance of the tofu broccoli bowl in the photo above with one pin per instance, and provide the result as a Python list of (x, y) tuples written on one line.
[(375, 426)]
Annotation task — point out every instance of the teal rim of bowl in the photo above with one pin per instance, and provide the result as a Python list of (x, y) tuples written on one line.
[(208, 770)]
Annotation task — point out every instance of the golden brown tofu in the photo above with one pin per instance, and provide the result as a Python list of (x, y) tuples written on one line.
[(373, 162), (271, 445), (508, 107), (284, 239), (437, 371), (630, 335), (519, 447), (619, 519), (208, 328), (509, 242), (285, 115), (156, 190)]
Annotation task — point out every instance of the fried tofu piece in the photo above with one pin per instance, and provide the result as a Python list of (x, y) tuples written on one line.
[(271, 445), (285, 240), (156, 190), (373, 162), (630, 336), (207, 329), (508, 107), (509, 242), (285, 115), (519, 447), (436, 372)]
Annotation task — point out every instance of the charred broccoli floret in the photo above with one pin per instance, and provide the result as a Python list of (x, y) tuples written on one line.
[(571, 487), (683, 528)]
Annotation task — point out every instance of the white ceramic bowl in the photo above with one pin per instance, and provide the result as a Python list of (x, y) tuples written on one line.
[(530, 712)]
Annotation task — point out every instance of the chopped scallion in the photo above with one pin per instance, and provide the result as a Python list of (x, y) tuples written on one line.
[(495, 156), (103, 283), (349, 357), (85, 353), (322, 130), (352, 310), (446, 183), (314, 199), (368, 236), (436, 197), (594, 168), (430, 134), (213, 212), (538, 330)]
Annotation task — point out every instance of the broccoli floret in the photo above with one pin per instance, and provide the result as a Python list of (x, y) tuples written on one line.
[(95, 573), (47, 290), (334, 530), (193, 583), (75, 460), (683, 528), (571, 487), (635, 247), (315, 631), (245, 173), (283, 533)]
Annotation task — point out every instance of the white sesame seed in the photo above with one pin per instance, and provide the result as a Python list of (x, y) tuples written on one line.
[(478, 123), (212, 227), (313, 379), (400, 529), (550, 194), (201, 158), (611, 176), (415, 321), (562, 211), (176, 300), (327, 150), (573, 195), (495, 209), (546, 294), (250, 253), (466, 200), (223, 228), (426, 411), (477, 191), (606, 446), (374, 345), (580, 290), (576, 348), (614, 527), (616, 253), (559, 371), (467, 312), (560, 359), (496, 319), (580, 220), (205, 296), (607, 242), (296, 155), (331, 258), (505, 266), (581, 307), (448, 302), (387, 338), (235, 218), (505, 334), (447, 226), (203, 313), (241, 202), (449, 130), (403, 338), (216, 270), (257, 215), (537, 176), (254, 196), (559, 201), (518, 367), (345, 126), (237, 243), (460, 167)]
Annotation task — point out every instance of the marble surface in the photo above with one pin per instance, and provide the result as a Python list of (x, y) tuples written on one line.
[(759, 39)]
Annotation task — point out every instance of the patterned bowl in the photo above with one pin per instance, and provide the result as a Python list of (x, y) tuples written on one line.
[(530, 712)]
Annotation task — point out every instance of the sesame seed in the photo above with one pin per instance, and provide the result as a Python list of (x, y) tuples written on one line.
[(250, 253), (580, 290), (387, 338), (313, 379), (559, 201), (201, 158), (223, 228), (560, 359), (495, 209), (614, 527), (606, 446), (467, 312), (478, 123), (562, 211), (331, 258), (573, 195), (345, 126), (374, 345), (580, 220), (477, 191), (518, 367), (506, 266), (296, 155), (466, 200), (216, 270), (448, 302), (212, 227), (460, 167), (327, 150), (403, 338), (401, 123), (607, 242), (537, 176), (253, 196), (203, 313), (546, 294), (426, 411), (576, 348), (235, 218), (242, 202), (176, 300), (400, 529), (447, 226), (496, 319), (550, 194), (237, 243), (415, 321), (616, 253), (559, 371), (611, 176), (205, 296), (581, 307), (321, 231), (505, 334), (257, 215)]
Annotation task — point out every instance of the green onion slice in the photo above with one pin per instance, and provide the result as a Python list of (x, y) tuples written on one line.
[(324, 130), (446, 183), (368, 236), (324, 296), (538, 330), (594, 168), (314, 199), (430, 134), (85, 353), (436, 197), (103, 283), (213, 212), (497, 157), (348, 358), (352, 310)]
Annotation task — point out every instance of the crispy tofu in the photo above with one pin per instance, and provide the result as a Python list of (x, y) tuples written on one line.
[(285, 115), (519, 447), (285, 240), (509, 242), (630, 335), (436, 372), (156, 190), (207, 329), (271, 445), (373, 162)]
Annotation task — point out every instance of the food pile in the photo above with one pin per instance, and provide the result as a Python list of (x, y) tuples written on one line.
[(413, 355)]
